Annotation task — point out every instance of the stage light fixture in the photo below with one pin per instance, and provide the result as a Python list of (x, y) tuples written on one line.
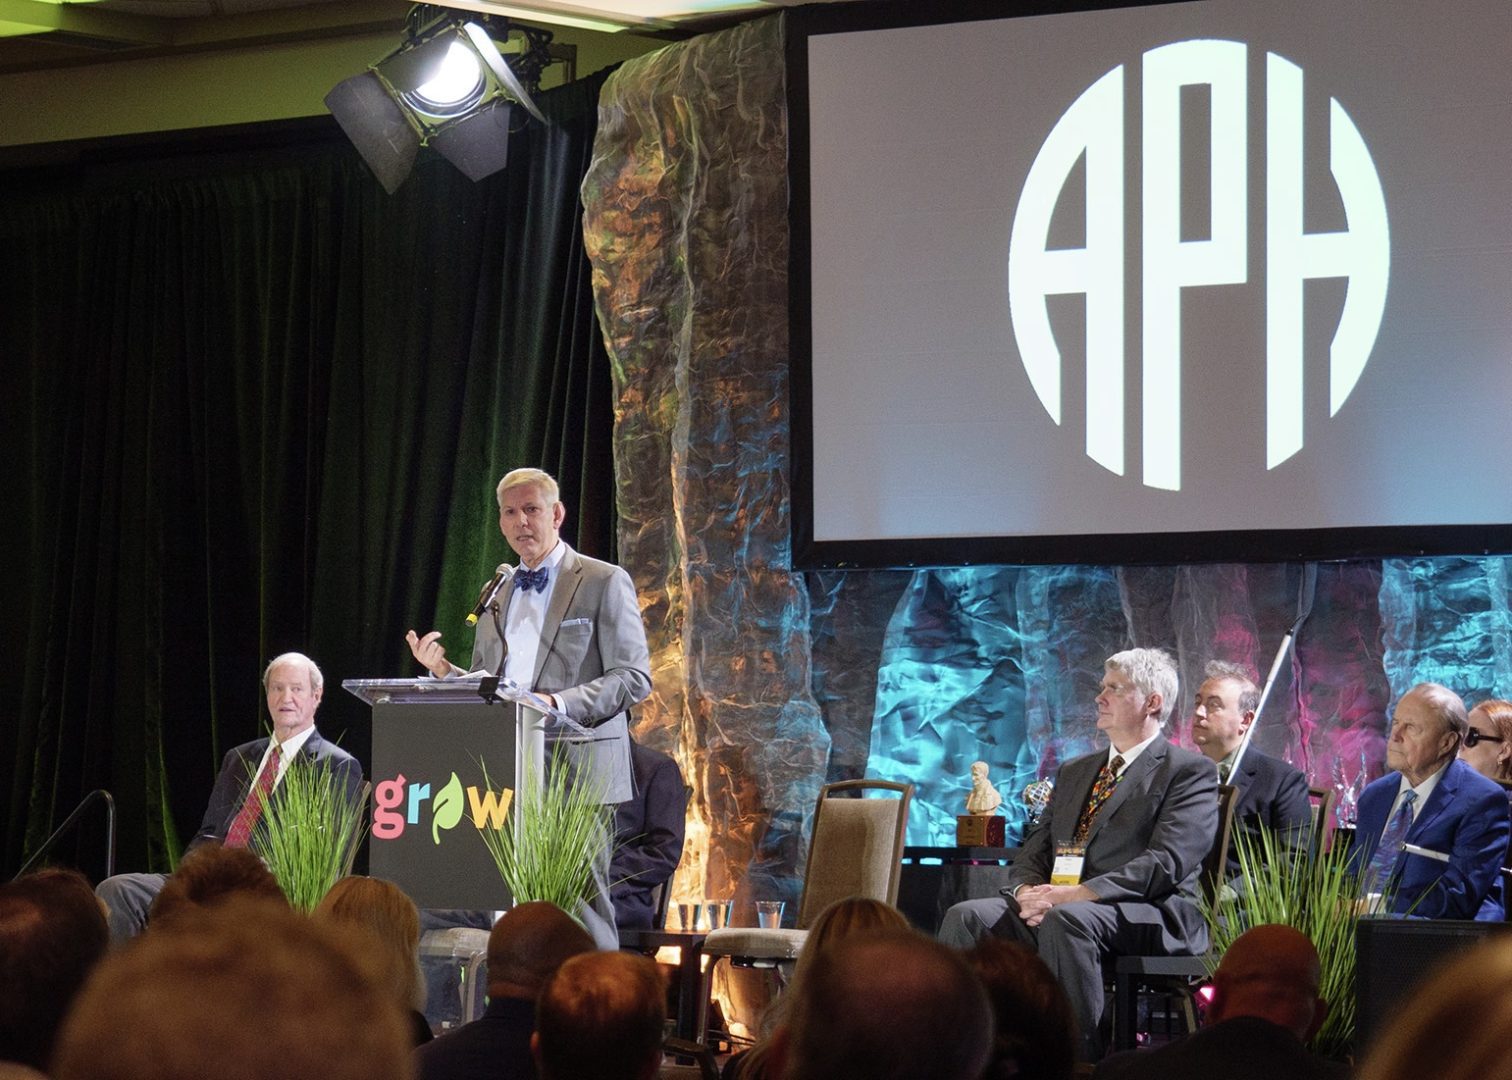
[(446, 86)]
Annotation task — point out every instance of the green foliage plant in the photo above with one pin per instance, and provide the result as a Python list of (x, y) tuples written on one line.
[(1282, 881), (309, 831), (560, 830)]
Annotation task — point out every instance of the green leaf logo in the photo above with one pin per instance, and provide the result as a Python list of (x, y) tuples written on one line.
[(446, 808)]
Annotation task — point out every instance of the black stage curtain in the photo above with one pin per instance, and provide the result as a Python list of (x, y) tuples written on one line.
[(254, 404)]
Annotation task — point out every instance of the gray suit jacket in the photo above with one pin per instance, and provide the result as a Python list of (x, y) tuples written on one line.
[(593, 656), (1146, 846)]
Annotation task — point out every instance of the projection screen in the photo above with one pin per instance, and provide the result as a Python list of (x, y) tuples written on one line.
[(1216, 280)]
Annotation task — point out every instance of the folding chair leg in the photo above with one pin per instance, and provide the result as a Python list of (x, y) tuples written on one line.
[(1125, 1011)]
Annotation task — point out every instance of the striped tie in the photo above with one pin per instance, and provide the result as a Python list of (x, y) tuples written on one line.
[(1107, 780), (1383, 861), (251, 811)]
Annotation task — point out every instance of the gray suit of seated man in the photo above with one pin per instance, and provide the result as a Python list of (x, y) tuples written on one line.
[(293, 685), (1123, 839)]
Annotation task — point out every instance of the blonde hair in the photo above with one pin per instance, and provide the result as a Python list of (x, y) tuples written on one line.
[(389, 921), (179, 1004), (841, 920), (847, 918), (529, 478)]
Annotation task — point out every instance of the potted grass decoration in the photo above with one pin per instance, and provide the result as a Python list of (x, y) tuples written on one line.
[(560, 831), (309, 831), (1281, 881)]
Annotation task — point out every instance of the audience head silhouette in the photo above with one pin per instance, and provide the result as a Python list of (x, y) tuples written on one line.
[(600, 1017), (887, 1005), (210, 875), (1271, 972), (1035, 1030), (1454, 1027), (247, 989), (52, 933), (527, 945), (382, 914)]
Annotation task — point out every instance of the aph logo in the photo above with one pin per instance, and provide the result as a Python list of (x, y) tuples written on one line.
[(1093, 127)]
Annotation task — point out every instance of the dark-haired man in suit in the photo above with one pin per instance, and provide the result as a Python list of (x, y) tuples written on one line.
[(1112, 865), (568, 628), (248, 773), (1271, 792)]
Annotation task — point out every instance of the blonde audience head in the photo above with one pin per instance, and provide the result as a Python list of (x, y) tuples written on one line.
[(840, 920), (248, 990), (389, 921)]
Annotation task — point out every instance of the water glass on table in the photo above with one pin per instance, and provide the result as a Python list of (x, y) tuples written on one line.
[(769, 914)]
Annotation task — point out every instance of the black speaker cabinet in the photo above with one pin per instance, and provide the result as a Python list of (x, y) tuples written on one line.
[(1395, 955)]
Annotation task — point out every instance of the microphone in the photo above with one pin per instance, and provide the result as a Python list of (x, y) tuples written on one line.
[(487, 595)]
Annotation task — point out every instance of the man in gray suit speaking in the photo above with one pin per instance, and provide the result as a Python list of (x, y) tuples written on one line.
[(1113, 864), (567, 627)]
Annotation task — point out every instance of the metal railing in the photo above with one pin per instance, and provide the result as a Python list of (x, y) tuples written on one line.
[(84, 804)]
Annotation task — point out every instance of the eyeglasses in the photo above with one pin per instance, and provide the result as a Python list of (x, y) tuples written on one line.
[(1472, 737)]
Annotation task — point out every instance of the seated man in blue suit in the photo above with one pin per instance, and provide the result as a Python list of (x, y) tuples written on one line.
[(1434, 832), (1271, 792)]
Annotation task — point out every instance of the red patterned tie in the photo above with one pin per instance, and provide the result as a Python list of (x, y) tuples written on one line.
[(1107, 780), (251, 811)]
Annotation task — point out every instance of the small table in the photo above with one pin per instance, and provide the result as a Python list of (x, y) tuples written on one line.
[(933, 878), (692, 992)]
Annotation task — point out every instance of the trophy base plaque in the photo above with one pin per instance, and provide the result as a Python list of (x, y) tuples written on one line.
[(979, 830)]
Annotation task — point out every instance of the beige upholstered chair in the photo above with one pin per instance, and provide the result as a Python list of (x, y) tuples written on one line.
[(856, 850)]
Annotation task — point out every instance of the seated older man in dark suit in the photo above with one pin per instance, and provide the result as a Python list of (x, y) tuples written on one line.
[(1434, 832), (1113, 864), (1271, 792), (293, 685)]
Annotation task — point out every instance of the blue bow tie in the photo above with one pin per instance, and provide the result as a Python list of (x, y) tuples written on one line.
[(531, 579)]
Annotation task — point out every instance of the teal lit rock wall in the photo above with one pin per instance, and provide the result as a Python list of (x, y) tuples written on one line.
[(771, 682)]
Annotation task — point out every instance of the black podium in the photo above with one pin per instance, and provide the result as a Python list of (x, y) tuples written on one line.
[(433, 741)]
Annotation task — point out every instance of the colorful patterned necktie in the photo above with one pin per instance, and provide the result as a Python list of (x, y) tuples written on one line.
[(1383, 861), (1107, 780), (531, 580), (251, 811)]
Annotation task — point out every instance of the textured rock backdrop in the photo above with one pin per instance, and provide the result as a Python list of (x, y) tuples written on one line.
[(770, 682)]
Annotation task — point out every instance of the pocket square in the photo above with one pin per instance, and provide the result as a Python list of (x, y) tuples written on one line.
[(576, 622)]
